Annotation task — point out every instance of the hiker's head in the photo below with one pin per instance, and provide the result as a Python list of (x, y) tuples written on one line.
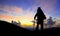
[(39, 10)]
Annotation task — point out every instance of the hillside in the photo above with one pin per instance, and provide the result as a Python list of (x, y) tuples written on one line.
[(8, 27)]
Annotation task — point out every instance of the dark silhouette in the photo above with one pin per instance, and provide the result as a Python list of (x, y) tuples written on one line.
[(16, 23), (10, 27), (39, 17), (34, 24)]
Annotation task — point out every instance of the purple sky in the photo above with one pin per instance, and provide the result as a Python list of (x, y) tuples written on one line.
[(26, 9)]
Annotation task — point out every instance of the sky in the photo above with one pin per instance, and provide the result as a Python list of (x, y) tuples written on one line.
[(24, 10)]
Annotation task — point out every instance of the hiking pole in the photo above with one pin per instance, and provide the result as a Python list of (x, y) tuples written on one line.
[(33, 24)]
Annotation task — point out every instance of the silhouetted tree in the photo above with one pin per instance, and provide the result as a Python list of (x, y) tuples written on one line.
[(50, 21)]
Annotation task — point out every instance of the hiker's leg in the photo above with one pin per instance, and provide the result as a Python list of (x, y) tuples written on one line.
[(42, 25), (37, 27), (33, 25)]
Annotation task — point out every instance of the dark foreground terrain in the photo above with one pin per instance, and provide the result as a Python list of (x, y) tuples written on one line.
[(8, 27)]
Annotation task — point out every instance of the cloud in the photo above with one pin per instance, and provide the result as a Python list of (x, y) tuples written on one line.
[(11, 9), (47, 5), (8, 18), (28, 15)]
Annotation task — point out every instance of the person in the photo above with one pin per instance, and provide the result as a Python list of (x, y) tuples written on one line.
[(39, 16)]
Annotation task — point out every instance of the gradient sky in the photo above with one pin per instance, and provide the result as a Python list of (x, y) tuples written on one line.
[(24, 10)]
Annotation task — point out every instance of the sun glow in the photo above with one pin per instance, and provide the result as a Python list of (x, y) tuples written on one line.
[(26, 22)]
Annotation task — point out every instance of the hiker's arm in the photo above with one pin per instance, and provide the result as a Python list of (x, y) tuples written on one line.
[(44, 16), (35, 16)]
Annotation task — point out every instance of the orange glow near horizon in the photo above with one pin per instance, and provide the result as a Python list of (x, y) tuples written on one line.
[(26, 22), (9, 18)]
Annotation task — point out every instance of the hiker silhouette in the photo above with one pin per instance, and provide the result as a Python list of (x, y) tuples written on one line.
[(39, 16)]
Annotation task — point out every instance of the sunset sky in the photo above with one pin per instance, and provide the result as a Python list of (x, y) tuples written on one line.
[(24, 10)]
